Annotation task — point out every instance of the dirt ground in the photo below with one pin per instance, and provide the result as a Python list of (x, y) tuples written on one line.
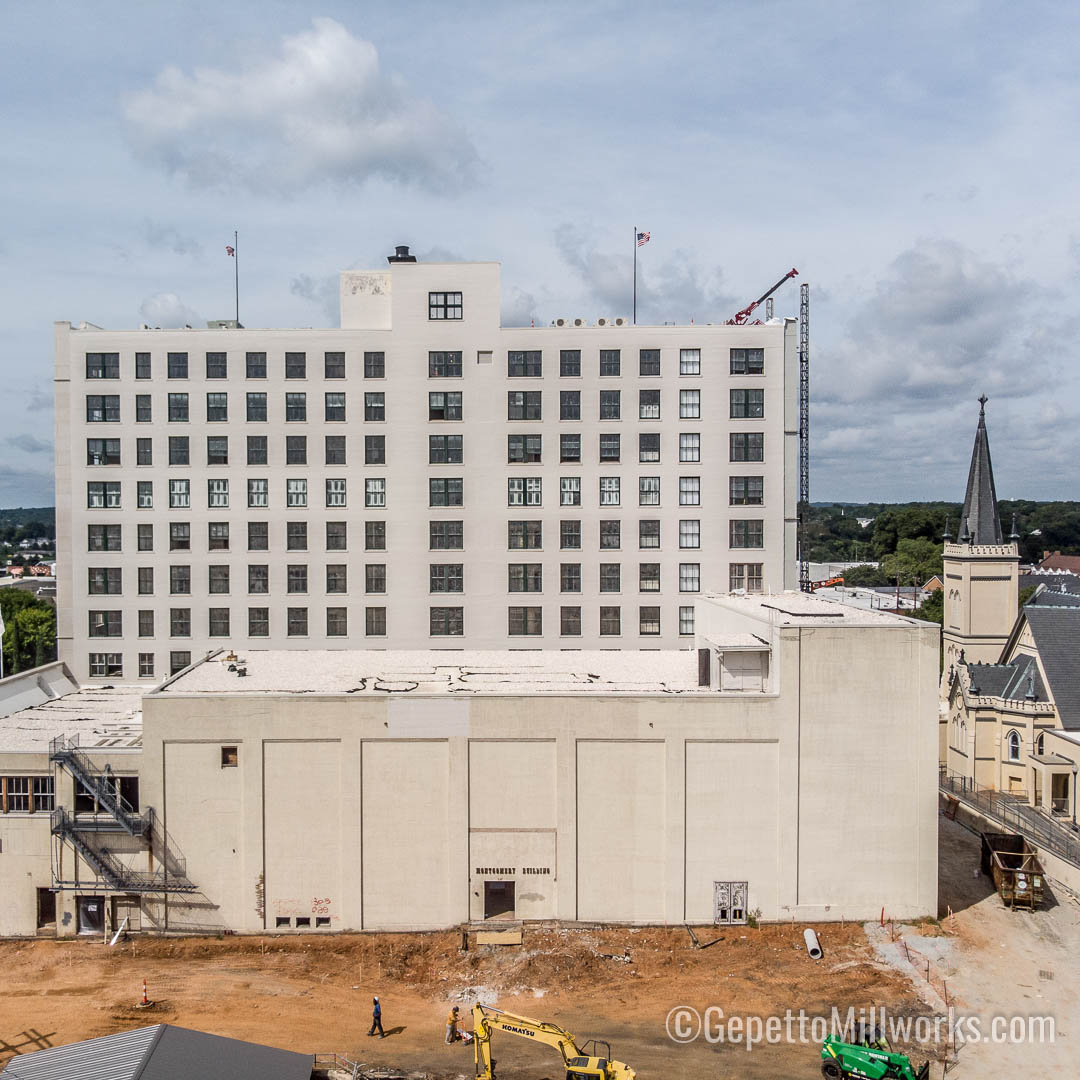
[(312, 994)]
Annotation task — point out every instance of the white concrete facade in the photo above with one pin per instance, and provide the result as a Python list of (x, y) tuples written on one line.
[(678, 431)]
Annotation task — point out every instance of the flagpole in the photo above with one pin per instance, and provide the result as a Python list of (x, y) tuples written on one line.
[(635, 275), (236, 272)]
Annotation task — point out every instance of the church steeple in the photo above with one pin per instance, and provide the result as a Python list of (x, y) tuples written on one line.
[(980, 521)]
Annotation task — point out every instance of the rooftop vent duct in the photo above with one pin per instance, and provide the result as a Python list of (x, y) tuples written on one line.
[(401, 254)]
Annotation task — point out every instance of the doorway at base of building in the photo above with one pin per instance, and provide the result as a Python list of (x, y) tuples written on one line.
[(46, 912), (90, 912), (499, 902)]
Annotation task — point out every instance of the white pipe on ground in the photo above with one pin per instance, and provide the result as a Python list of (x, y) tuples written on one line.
[(813, 946)]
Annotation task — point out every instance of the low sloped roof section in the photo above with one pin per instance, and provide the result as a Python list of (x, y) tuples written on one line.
[(160, 1052)]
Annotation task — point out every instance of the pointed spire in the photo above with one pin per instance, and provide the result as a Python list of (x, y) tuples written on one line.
[(1014, 536), (947, 535), (981, 521)]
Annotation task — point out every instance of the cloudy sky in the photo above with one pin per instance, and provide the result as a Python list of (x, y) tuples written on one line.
[(917, 162)]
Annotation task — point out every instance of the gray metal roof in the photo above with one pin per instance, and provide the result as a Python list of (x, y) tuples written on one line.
[(1056, 631), (160, 1052), (1060, 594), (1013, 681), (980, 522)]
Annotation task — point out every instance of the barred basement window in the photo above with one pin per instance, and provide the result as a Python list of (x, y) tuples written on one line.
[(446, 621), (375, 621), (258, 622), (444, 365), (525, 621), (649, 533), (648, 621)]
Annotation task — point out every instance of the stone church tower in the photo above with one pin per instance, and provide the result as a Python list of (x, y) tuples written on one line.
[(981, 567)]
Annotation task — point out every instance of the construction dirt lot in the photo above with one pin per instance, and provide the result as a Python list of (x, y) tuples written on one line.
[(314, 993)]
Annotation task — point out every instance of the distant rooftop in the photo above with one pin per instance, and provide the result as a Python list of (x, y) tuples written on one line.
[(808, 609), (98, 716)]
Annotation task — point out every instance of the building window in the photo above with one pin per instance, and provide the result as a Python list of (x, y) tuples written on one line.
[(337, 622), (374, 535), (375, 621), (296, 536), (648, 577), (219, 622), (521, 448), (689, 361), (747, 361), (610, 535), (525, 621), (102, 666), (178, 408), (524, 536), (444, 365), (649, 533), (105, 451), (523, 405), (335, 492), (144, 494), (610, 577), (1013, 742), (296, 578), (524, 365), (570, 491), (374, 365), (145, 537), (258, 622), (334, 449), (219, 579), (609, 448), (179, 450), (570, 448), (217, 493), (256, 365), (103, 495), (570, 363), (375, 491), (180, 580), (689, 577), (217, 536), (649, 362), (446, 578), (570, 577), (178, 661), (295, 449), (295, 365), (444, 405), (689, 490), (446, 535), (146, 665), (446, 621), (444, 305), (375, 406), (143, 409), (610, 408), (102, 408), (689, 446), (257, 493), (142, 365), (523, 491), (610, 362), (180, 622), (569, 404), (445, 491), (686, 619), (744, 576), (258, 578), (296, 619), (296, 492), (610, 494), (610, 621), (444, 449), (217, 407), (334, 365), (334, 406), (144, 451), (570, 621), (648, 404), (649, 621), (258, 536), (104, 579), (648, 491), (177, 365), (747, 404), (525, 577), (179, 536), (217, 450), (747, 533), (690, 533), (146, 581), (689, 404), (569, 535), (746, 490), (296, 406), (747, 446), (104, 538), (256, 407), (649, 447)]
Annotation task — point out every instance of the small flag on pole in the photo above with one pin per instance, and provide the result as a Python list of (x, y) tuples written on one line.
[(642, 238), (229, 249)]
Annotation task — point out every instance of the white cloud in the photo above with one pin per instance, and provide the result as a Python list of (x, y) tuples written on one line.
[(323, 291), (30, 444), (322, 110), (168, 238), (518, 307), (167, 310)]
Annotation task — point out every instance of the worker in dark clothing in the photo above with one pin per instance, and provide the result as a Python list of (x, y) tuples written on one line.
[(376, 1019)]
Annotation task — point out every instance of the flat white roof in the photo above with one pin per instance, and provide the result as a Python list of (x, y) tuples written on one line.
[(98, 716), (439, 671), (792, 608)]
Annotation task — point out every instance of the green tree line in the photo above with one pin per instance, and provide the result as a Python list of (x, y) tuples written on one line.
[(29, 630)]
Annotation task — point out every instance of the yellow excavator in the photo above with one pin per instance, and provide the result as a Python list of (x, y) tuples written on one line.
[(581, 1063)]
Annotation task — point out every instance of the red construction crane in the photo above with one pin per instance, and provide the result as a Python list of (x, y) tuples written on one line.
[(744, 316)]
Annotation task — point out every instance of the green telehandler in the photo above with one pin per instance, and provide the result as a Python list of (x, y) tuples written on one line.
[(841, 1060)]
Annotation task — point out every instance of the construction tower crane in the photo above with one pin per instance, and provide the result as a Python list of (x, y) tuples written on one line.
[(743, 317), (579, 1064)]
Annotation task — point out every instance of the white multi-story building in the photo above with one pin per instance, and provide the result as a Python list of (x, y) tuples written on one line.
[(421, 477)]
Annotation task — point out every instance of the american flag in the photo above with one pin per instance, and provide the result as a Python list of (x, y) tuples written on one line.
[(642, 238), (230, 250)]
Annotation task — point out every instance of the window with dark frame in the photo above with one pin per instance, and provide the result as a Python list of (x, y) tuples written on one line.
[(217, 365), (444, 405), (570, 448), (444, 365), (747, 404), (746, 490), (255, 365), (295, 365), (525, 364), (747, 446), (747, 361), (610, 362), (256, 407), (333, 365), (374, 365), (570, 363), (649, 362), (444, 305)]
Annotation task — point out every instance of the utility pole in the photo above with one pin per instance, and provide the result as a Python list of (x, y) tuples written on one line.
[(236, 273)]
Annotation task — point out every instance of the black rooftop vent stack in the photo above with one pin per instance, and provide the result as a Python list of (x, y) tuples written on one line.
[(401, 254)]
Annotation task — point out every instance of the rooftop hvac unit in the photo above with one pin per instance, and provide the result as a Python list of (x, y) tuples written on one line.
[(622, 320), (579, 322), (603, 322), (562, 322)]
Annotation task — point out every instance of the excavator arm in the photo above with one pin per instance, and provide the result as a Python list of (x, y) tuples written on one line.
[(578, 1066)]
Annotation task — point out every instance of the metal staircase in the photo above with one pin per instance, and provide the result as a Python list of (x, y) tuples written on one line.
[(115, 816)]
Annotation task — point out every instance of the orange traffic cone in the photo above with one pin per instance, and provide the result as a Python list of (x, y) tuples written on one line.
[(145, 999)]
